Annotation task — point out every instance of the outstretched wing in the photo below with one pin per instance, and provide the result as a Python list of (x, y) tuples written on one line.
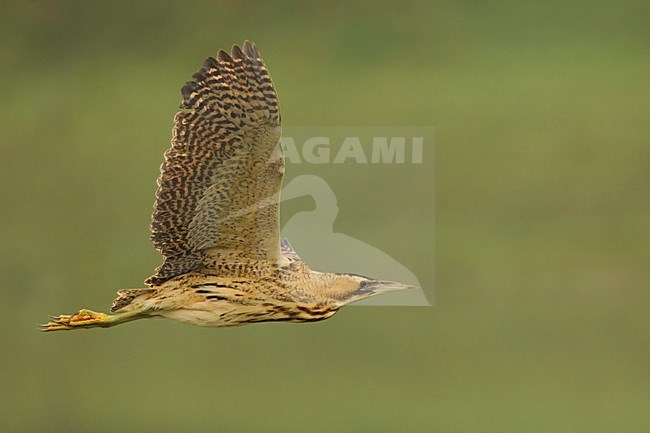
[(219, 186)]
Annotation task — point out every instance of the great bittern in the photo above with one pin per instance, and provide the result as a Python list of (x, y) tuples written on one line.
[(216, 216)]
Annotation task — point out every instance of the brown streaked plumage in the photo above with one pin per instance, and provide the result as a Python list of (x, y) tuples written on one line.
[(216, 216)]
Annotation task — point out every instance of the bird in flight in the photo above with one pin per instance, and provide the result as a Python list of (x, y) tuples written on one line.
[(216, 216)]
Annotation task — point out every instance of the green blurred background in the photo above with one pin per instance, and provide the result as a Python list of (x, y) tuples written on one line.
[(538, 260)]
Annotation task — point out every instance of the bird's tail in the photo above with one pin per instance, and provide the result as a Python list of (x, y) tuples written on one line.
[(125, 297)]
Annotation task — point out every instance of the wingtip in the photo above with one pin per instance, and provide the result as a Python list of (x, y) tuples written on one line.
[(236, 52), (223, 56), (187, 90), (248, 49), (199, 75), (210, 63)]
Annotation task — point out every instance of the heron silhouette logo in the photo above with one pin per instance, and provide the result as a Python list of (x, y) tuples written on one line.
[(312, 235)]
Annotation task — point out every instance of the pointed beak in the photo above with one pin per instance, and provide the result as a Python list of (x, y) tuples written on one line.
[(380, 286)]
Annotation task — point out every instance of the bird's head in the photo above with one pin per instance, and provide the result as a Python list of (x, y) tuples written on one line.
[(350, 288)]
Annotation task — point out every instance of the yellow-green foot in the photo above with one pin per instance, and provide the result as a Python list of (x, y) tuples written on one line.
[(81, 319)]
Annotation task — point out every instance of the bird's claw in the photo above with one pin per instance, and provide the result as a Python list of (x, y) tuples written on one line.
[(81, 319)]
